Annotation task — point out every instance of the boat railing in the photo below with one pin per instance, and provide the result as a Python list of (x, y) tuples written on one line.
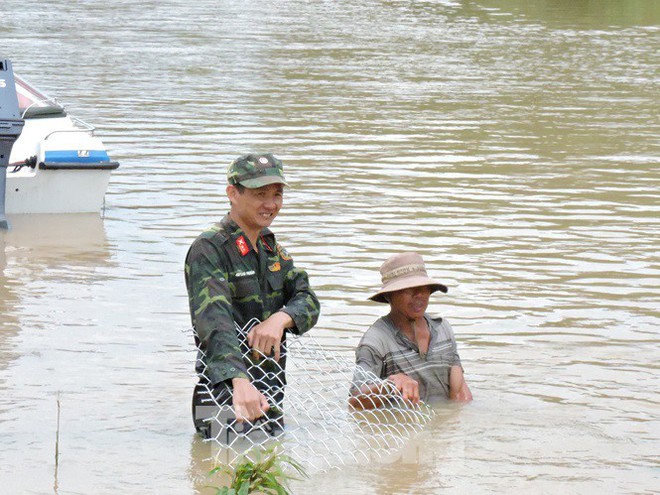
[(39, 102), (82, 126)]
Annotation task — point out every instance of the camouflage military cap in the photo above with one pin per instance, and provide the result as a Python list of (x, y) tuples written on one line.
[(256, 170)]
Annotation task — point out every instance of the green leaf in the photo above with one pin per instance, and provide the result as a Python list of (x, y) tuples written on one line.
[(267, 474)]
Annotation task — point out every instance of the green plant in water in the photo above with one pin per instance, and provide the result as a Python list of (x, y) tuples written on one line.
[(265, 475)]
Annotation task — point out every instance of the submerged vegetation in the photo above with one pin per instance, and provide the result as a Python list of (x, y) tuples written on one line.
[(267, 474)]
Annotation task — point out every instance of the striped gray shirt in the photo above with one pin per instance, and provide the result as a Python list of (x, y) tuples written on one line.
[(385, 351)]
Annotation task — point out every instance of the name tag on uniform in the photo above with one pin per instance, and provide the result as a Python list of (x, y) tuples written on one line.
[(244, 274)]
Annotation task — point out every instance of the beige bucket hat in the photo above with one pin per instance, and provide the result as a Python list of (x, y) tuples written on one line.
[(403, 271)]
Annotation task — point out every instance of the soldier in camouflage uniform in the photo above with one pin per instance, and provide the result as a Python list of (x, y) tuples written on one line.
[(236, 271)]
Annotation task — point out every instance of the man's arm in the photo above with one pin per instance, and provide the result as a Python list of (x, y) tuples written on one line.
[(300, 312), (301, 303), (368, 394), (458, 388), (210, 308), (375, 395)]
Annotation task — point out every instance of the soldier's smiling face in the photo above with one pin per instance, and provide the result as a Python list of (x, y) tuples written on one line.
[(255, 209)]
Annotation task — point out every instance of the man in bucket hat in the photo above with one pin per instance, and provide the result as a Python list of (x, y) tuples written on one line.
[(237, 273), (412, 350)]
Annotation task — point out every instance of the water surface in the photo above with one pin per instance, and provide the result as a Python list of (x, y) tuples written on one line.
[(514, 144)]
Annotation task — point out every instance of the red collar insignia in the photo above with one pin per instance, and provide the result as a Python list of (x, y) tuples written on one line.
[(242, 245), (268, 248)]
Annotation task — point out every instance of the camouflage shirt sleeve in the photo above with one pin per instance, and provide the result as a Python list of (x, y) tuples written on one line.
[(301, 305), (209, 296)]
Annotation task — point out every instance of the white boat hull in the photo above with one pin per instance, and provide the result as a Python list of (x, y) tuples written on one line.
[(56, 191)]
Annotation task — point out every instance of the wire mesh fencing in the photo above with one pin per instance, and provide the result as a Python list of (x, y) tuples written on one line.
[(310, 415)]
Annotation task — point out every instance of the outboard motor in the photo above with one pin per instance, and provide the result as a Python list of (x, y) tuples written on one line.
[(11, 125)]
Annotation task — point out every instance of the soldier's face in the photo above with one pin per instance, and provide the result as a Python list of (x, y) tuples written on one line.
[(410, 303), (256, 208)]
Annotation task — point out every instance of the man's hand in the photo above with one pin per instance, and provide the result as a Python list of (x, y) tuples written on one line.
[(249, 403), (267, 335), (408, 387), (463, 395)]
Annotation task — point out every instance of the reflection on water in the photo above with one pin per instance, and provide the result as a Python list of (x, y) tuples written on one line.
[(48, 265), (40, 256), (56, 240), (513, 144)]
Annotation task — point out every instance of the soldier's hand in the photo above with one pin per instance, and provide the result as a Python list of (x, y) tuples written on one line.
[(267, 335), (249, 403)]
